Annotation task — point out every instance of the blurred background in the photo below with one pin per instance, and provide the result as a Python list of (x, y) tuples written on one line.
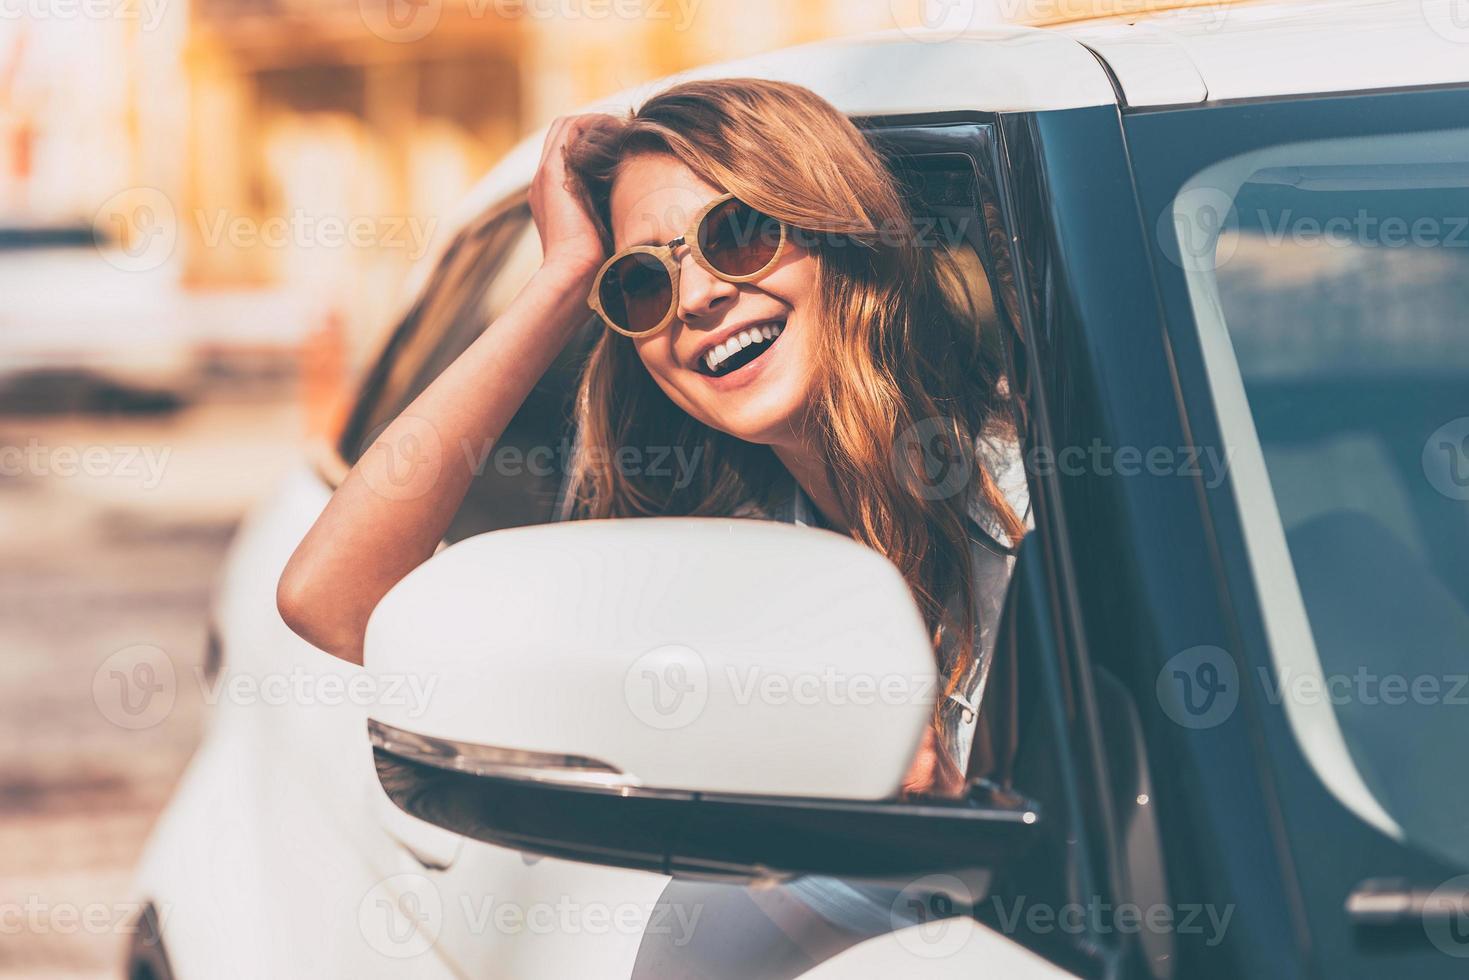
[(209, 210)]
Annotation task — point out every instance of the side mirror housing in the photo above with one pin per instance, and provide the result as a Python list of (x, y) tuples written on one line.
[(709, 696)]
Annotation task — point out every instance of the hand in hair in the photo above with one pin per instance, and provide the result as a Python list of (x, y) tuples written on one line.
[(569, 238)]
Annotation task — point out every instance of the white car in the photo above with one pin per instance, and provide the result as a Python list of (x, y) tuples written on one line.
[(1237, 341)]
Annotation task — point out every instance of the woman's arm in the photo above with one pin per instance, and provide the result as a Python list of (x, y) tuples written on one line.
[(395, 505)]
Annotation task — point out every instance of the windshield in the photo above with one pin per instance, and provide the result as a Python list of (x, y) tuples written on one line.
[(1330, 282)]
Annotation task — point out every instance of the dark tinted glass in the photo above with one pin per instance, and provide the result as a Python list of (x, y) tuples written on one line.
[(738, 240), (1342, 279), (636, 291)]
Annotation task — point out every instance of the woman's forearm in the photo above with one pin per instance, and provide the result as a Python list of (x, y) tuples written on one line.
[(397, 502)]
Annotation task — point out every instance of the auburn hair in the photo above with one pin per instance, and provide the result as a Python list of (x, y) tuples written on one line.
[(908, 346)]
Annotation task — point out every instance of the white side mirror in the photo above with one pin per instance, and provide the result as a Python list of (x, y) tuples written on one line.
[(726, 656), (708, 697)]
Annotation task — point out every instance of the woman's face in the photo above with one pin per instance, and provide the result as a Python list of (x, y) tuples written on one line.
[(759, 395)]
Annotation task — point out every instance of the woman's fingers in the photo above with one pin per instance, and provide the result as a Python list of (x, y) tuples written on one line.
[(568, 233)]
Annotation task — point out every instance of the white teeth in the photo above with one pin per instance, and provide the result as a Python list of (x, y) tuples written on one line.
[(720, 353)]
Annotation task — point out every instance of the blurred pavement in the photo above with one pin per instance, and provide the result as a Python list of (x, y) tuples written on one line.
[(95, 557)]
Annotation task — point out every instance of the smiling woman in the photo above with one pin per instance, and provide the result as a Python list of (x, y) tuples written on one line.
[(771, 313)]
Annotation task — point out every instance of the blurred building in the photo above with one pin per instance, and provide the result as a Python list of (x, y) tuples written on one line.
[(384, 112)]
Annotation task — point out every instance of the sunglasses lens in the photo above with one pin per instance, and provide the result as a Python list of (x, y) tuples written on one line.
[(636, 292), (737, 240)]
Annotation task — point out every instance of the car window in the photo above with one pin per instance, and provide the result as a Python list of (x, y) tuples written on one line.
[(1329, 280), (446, 307), (517, 479)]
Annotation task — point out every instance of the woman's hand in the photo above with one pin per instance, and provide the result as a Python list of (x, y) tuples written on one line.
[(569, 239)]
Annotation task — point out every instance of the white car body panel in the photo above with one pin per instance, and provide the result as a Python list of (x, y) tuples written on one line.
[(1264, 50), (256, 866)]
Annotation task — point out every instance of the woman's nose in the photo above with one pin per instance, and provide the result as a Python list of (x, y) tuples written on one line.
[(702, 295)]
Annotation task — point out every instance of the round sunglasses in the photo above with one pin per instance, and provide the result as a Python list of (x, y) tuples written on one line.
[(636, 290)]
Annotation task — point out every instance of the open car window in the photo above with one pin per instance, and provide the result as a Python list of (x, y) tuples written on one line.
[(518, 477)]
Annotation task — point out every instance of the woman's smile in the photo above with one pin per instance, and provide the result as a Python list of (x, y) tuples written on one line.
[(737, 349)]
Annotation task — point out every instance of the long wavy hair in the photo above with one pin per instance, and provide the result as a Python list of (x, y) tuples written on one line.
[(910, 361)]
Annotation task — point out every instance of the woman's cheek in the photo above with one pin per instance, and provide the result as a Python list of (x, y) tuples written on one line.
[(658, 361)]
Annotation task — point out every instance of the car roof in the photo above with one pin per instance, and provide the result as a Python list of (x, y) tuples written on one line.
[(1220, 51), (1205, 51)]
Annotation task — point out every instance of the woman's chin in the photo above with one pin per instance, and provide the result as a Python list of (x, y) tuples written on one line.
[(764, 417)]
